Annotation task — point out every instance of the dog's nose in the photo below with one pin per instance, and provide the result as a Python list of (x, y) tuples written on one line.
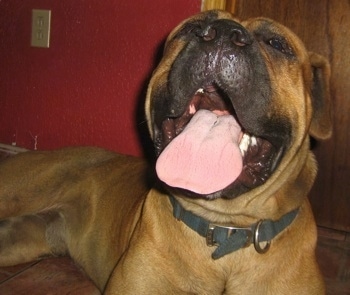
[(224, 29), (241, 37)]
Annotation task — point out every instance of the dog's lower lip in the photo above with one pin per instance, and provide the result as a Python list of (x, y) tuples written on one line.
[(258, 163)]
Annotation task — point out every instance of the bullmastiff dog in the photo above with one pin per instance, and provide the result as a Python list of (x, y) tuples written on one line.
[(230, 108)]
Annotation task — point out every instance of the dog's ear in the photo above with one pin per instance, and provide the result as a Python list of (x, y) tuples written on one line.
[(321, 124)]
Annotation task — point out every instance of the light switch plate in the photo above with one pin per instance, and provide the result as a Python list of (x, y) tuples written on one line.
[(41, 22)]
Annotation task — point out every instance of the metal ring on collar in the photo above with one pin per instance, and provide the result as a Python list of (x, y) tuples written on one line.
[(256, 240)]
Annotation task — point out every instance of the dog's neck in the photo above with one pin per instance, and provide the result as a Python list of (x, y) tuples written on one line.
[(240, 211), (230, 238)]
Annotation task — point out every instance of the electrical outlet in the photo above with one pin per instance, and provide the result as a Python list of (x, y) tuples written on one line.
[(41, 21)]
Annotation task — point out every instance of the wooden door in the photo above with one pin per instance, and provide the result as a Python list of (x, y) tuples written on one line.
[(324, 26)]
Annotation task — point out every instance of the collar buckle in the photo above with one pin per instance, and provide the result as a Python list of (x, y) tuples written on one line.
[(230, 230)]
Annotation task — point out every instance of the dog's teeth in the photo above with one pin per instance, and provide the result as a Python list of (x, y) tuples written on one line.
[(192, 109), (200, 90), (244, 144), (253, 141), (247, 141)]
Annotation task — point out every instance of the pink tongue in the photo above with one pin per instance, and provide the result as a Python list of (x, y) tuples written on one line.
[(204, 157)]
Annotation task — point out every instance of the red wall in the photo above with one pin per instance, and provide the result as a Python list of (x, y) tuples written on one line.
[(88, 87)]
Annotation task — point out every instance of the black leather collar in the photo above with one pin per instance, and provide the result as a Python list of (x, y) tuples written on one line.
[(229, 238)]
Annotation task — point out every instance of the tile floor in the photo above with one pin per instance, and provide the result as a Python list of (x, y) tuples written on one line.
[(59, 276)]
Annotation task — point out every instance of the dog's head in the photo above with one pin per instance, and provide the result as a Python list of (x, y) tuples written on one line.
[(231, 104)]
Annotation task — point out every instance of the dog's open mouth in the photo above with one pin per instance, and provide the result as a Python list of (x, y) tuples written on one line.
[(207, 150)]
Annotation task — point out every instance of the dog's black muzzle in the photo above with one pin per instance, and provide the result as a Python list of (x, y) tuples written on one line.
[(219, 55), (223, 61)]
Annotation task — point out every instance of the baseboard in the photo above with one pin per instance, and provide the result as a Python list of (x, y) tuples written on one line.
[(6, 149)]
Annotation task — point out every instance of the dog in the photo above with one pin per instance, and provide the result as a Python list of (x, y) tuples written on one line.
[(231, 108)]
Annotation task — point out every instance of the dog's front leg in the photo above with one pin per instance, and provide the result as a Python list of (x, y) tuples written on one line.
[(29, 220), (36, 188), (24, 238)]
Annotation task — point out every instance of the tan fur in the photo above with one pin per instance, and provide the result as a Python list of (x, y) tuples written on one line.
[(97, 207)]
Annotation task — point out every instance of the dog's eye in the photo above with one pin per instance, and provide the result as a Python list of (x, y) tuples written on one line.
[(276, 44), (280, 45)]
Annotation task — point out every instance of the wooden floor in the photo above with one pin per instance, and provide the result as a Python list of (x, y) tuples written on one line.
[(59, 276), (333, 252), (52, 276)]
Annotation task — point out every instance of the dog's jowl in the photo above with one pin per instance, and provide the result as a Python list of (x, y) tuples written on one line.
[(231, 108)]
